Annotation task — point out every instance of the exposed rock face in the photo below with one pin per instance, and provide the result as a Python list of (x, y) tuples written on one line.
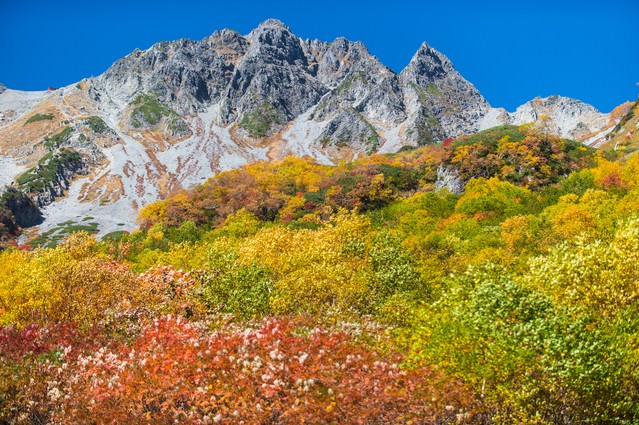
[(186, 74), (363, 96), (560, 115), (438, 95), (2, 88), (60, 185), (274, 71), (354, 97), (450, 180), (65, 171), (25, 212)]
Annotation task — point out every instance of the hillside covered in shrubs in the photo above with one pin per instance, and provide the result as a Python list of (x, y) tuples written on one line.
[(490, 279)]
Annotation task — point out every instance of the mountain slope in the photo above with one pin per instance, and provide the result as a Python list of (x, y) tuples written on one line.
[(625, 134), (171, 116), (559, 115)]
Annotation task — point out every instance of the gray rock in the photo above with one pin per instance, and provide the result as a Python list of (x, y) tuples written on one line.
[(435, 90), (448, 178), (23, 207), (349, 92), (187, 75), (60, 184), (559, 115), (274, 70), (2, 88), (361, 81), (349, 128)]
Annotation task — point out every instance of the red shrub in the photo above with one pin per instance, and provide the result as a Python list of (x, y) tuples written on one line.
[(280, 373)]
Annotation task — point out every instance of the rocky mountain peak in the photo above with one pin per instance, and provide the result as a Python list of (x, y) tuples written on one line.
[(562, 102), (444, 104), (561, 115), (343, 57), (273, 41), (2, 88), (271, 69), (227, 39), (273, 23), (272, 32), (428, 63)]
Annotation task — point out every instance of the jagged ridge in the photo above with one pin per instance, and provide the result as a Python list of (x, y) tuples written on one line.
[(354, 97)]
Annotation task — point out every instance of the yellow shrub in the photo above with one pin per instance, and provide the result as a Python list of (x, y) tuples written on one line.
[(516, 232), (314, 269), (72, 282), (597, 275)]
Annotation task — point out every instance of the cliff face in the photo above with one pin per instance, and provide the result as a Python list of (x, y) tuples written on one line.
[(59, 183), (440, 96), (349, 94), (19, 210)]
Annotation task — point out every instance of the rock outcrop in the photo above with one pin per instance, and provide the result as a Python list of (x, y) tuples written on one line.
[(24, 212), (59, 185), (439, 97), (559, 115)]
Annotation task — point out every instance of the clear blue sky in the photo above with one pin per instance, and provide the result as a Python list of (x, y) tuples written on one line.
[(511, 51)]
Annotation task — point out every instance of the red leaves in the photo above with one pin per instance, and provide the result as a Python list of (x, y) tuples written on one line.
[(33, 340), (612, 181), (278, 373)]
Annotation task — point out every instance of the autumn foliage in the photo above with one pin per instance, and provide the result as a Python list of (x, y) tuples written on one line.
[(279, 372), (296, 292), (294, 188)]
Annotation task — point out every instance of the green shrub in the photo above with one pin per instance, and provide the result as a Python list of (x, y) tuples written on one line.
[(394, 269), (58, 139), (259, 121), (177, 125), (242, 290), (185, 232), (525, 354), (492, 136), (96, 124), (38, 117), (150, 110), (115, 235), (45, 173)]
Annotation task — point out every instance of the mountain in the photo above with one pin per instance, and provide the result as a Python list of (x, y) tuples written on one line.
[(624, 135), (271, 80), (566, 117), (171, 116)]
